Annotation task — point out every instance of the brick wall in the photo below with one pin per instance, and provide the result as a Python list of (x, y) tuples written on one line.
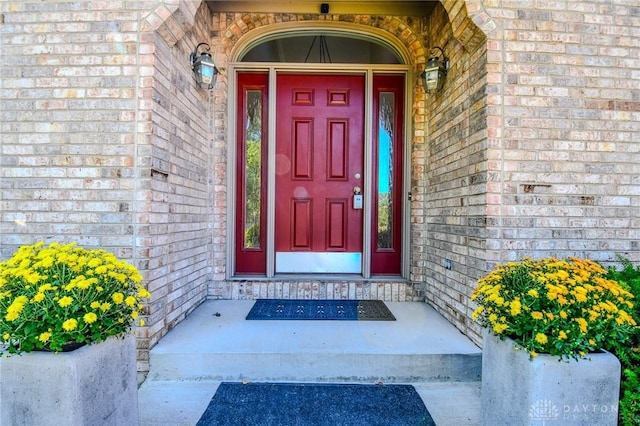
[(105, 141), (557, 174), (450, 217), (176, 212), (68, 123), (73, 129), (564, 107)]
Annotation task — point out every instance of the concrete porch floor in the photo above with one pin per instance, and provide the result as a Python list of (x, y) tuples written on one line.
[(420, 348)]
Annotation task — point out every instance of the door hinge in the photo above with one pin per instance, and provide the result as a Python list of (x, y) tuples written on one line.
[(409, 196)]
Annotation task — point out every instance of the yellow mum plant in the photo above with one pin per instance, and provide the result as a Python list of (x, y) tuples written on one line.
[(559, 307), (56, 295)]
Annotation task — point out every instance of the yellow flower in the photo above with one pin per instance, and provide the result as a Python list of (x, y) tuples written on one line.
[(562, 335), (533, 293), (45, 287), (95, 304), (563, 314), (47, 262), (580, 297), (516, 307), (499, 328), (33, 278), (626, 317), (12, 316), (536, 315), (118, 298), (65, 301), (550, 315), (122, 278), (39, 297), (130, 301), (476, 313), (21, 300), (84, 284), (583, 324), (70, 324), (14, 310), (541, 338), (90, 317), (6, 336), (134, 314), (44, 337), (105, 306)]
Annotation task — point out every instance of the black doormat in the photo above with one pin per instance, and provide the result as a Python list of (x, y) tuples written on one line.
[(294, 309), (302, 404)]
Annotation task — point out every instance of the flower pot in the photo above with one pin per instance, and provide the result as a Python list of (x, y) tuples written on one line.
[(93, 385), (517, 390)]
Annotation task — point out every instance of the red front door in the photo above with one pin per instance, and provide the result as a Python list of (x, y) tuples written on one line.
[(319, 169)]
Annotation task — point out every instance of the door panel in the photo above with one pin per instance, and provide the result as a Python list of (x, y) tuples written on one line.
[(302, 149), (386, 226), (319, 161), (337, 217), (251, 200), (337, 148), (301, 219)]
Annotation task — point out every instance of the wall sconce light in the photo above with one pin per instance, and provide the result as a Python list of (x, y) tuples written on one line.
[(435, 71), (203, 67)]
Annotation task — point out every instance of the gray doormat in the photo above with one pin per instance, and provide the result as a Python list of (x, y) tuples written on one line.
[(295, 309), (302, 404)]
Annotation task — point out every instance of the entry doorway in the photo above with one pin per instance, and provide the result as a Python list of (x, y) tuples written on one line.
[(319, 173)]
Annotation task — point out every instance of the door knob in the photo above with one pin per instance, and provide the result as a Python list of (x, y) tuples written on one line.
[(356, 190)]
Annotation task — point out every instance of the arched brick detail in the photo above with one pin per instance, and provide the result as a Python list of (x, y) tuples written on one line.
[(171, 19), (469, 22)]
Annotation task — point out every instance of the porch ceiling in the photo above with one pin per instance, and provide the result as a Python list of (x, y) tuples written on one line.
[(340, 7)]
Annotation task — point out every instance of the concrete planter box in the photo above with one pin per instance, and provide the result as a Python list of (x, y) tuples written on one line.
[(520, 391), (93, 385)]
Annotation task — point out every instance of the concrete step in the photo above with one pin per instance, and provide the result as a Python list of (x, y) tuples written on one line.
[(216, 343)]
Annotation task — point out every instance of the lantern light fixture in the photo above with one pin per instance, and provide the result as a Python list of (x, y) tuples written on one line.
[(435, 71), (203, 67)]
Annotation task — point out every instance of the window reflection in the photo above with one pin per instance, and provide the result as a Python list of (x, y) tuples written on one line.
[(385, 170), (253, 164)]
